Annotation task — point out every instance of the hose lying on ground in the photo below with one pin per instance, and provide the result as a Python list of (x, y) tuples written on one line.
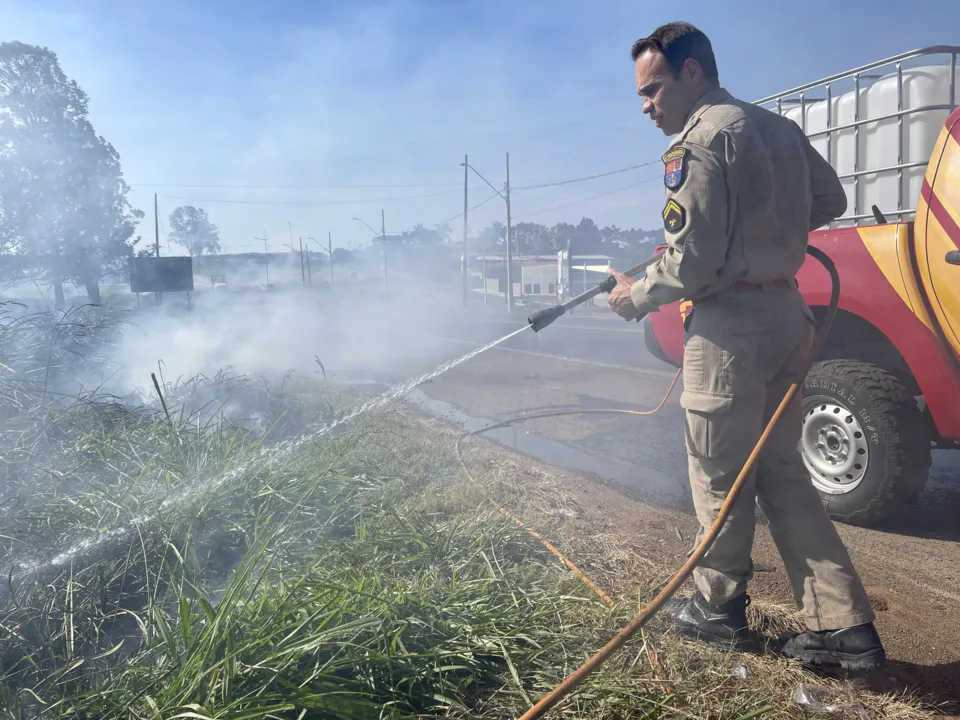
[(572, 681), (555, 413)]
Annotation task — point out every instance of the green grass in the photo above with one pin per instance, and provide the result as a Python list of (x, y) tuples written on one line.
[(309, 585), (354, 576)]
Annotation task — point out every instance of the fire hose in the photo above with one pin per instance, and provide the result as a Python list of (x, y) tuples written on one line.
[(542, 319)]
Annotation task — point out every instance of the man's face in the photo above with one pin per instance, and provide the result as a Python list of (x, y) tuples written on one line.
[(666, 99)]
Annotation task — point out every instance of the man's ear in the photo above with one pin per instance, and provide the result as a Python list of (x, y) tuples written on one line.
[(692, 70)]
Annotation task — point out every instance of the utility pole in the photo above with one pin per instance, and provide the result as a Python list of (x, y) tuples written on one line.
[(330, 252), (509, 253), (506, 197), (156, 235), (383, 240), (303, 271), (464, 269), (309, 276), (483, 270), (303, 278), (266, 255), (383, 247)]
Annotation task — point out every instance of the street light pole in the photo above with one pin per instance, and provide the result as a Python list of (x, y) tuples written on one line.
[(383, 234), (463, 270), (330, 253), (509, 249), (303, 270), (309, 275), (506, 198), (266, 256), (383, 241)]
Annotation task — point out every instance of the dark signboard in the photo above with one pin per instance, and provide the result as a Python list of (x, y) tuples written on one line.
[(161, 274)]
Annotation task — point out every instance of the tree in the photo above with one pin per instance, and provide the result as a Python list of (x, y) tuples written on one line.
[(342, 256), (589, 238), (491, 237), (422, 235), (564, 233), (444, 232), (532, 238), (584, 238), (63, 200), (191, 228)]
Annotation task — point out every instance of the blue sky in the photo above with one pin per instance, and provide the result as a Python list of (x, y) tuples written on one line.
[(297, 93)]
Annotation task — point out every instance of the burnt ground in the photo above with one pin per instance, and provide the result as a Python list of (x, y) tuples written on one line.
[(630, 472)]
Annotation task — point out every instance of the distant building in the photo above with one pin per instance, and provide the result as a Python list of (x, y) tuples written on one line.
[(540, 277)]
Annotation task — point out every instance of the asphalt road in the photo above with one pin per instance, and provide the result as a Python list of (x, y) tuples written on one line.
[(593, 359)]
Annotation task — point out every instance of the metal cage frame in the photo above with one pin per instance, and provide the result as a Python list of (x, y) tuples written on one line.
[(798, 95)]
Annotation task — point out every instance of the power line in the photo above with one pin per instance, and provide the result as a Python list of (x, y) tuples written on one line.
[(289, 187), (469, 210), (305, 202), (565, 182), (588, 199), (588, 177), (412, 197), (394, 185)]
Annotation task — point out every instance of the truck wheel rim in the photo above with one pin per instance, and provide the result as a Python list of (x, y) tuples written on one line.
[(835, 448)]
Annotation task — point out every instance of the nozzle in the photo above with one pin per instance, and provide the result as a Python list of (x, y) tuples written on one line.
[(539, 320), (608, 285)]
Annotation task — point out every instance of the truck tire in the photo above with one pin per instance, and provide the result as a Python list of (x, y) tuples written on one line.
[(864, 442)]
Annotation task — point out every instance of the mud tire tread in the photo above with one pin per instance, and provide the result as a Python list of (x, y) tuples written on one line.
[(905, 456)]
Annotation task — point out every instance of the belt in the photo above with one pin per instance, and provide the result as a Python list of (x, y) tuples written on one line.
[(778, 284), (740, 286)]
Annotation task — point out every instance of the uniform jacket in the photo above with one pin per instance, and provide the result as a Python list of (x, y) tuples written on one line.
[(744, 186)]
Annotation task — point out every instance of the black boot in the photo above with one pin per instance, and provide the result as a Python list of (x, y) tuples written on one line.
[(720, 625), (853, 648)]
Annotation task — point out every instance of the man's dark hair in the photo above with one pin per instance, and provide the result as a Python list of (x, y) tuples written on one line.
[(678, 41)]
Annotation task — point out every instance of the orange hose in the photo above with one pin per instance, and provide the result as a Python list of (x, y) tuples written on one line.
[(554, 413), (570, 683)]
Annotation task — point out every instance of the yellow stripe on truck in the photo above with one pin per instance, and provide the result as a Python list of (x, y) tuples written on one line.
[(946, 185), (889, 248), (940, 226), (888, 245)]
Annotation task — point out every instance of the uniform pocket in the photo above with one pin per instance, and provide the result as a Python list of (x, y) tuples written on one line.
[(708, 420), (706, 368), (707, 397)]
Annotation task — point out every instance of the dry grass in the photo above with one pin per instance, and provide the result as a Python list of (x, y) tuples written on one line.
[(705, 682)]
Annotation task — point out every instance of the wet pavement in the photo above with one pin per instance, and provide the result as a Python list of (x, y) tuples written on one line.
[(588, 456), (594, 360)]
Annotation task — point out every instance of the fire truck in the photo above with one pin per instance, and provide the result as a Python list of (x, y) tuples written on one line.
[(885, 390)]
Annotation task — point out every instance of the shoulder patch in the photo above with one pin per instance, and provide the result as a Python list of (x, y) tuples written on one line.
[(674, 216), (674, 167)]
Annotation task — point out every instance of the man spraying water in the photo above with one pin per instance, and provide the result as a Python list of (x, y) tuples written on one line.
[(743, 188)]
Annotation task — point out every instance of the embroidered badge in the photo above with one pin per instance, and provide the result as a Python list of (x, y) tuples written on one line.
[(674, 168), (674, 216)]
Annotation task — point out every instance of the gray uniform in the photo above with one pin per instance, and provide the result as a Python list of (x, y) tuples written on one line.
[(744, 187)]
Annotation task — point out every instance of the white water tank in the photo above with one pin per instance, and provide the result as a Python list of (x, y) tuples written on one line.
[(922, 87)]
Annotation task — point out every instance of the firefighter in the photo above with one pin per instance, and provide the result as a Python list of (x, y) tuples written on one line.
[(743, 188)]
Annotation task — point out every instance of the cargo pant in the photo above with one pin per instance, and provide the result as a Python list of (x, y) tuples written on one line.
[(742, 352)]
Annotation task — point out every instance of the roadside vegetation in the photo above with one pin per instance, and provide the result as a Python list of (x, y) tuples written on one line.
[(200, 558)]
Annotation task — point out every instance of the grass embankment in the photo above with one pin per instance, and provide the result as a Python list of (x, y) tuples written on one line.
[(206, 569)]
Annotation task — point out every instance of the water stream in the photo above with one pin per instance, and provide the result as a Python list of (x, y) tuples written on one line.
[(85, 550)]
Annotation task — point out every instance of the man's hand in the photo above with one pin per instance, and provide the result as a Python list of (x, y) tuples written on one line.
[(620, 301)]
